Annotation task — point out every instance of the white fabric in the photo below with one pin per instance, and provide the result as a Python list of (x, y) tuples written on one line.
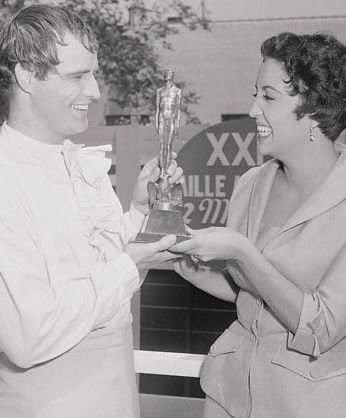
[(65, 284)]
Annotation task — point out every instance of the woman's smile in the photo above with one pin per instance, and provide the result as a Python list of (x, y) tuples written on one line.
[(263, 132)]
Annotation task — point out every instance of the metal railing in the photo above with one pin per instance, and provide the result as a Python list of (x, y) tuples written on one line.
[(172, 364), (166, 363)]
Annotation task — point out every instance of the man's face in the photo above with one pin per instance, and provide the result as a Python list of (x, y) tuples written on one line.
[(60, 103)]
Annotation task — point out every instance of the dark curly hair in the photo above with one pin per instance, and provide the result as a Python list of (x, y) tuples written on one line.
[(316, 69), (30, 38)]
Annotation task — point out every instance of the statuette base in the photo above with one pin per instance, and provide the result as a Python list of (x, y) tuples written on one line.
[(162, 222)]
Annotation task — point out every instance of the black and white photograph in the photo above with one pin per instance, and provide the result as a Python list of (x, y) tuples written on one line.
[(172, 209)]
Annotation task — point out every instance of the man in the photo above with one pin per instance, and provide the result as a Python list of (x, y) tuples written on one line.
[(67, 269)]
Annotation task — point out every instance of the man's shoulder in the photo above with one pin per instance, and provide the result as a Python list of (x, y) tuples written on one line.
[(3, 140), (5, 164), (5, 161)]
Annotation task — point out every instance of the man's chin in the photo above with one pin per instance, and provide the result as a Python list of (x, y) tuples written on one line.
[(79, 128)]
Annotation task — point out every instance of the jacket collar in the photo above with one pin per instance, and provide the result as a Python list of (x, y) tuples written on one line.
[(21, 148), (259, 197), (330, 192)]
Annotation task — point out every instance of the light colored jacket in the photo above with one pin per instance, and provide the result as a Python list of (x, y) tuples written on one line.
[(257, 368)]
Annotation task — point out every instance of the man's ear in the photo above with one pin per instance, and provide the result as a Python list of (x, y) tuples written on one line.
[(23, 78)]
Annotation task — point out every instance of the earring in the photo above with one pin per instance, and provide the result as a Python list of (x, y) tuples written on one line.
[(312, 136)]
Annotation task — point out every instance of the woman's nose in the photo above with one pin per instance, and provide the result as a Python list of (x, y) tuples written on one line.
[(255, 110)]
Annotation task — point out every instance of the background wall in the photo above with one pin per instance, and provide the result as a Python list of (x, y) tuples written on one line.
[(221, 64), (254, 9)]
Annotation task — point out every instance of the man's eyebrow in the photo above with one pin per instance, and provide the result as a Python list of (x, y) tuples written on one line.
[(77, 72)]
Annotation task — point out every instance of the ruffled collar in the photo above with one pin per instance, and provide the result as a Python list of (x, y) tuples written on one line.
[(89, 163), (87, 168)]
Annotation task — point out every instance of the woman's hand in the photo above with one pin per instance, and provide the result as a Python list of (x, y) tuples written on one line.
[(213, 281), (214, 243)]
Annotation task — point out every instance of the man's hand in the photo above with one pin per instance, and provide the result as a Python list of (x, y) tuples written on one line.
[(152, 254), (151, 172)]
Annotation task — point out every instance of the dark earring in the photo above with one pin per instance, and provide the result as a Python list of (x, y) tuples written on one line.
[(312, 136)]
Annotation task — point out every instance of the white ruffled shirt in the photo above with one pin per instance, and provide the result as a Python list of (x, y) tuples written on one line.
[(62, 270)]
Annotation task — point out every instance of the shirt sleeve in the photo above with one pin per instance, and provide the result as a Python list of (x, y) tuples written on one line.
[(322, 322), (42, 317), (114, 228), (133, 221)]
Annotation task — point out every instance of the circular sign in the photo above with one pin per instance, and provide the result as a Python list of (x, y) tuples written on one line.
[(213, 161)]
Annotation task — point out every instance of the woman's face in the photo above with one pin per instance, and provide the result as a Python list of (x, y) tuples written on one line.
[(279, 133)]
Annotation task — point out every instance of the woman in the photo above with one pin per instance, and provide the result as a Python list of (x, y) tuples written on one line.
[(285, 246)]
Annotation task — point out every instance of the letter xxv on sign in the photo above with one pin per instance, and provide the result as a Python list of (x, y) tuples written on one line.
[(213, 161)]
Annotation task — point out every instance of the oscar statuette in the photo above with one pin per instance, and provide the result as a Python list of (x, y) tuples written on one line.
[(165, 200)]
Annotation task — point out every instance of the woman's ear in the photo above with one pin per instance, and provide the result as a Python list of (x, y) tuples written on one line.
[(313, 124), (23, 78)]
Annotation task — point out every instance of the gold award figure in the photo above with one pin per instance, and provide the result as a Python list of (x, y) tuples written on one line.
[(165, 200)]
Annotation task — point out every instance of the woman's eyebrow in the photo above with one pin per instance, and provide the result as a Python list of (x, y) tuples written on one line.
[(271, 88)]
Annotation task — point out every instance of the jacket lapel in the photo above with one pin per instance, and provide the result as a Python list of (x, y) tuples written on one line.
[(329, 193), (259, 198)]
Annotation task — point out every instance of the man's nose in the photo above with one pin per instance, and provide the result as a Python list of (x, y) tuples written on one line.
[(91, 89)]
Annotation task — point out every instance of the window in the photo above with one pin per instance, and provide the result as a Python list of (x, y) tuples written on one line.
[(128, 119), (233, 116)]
